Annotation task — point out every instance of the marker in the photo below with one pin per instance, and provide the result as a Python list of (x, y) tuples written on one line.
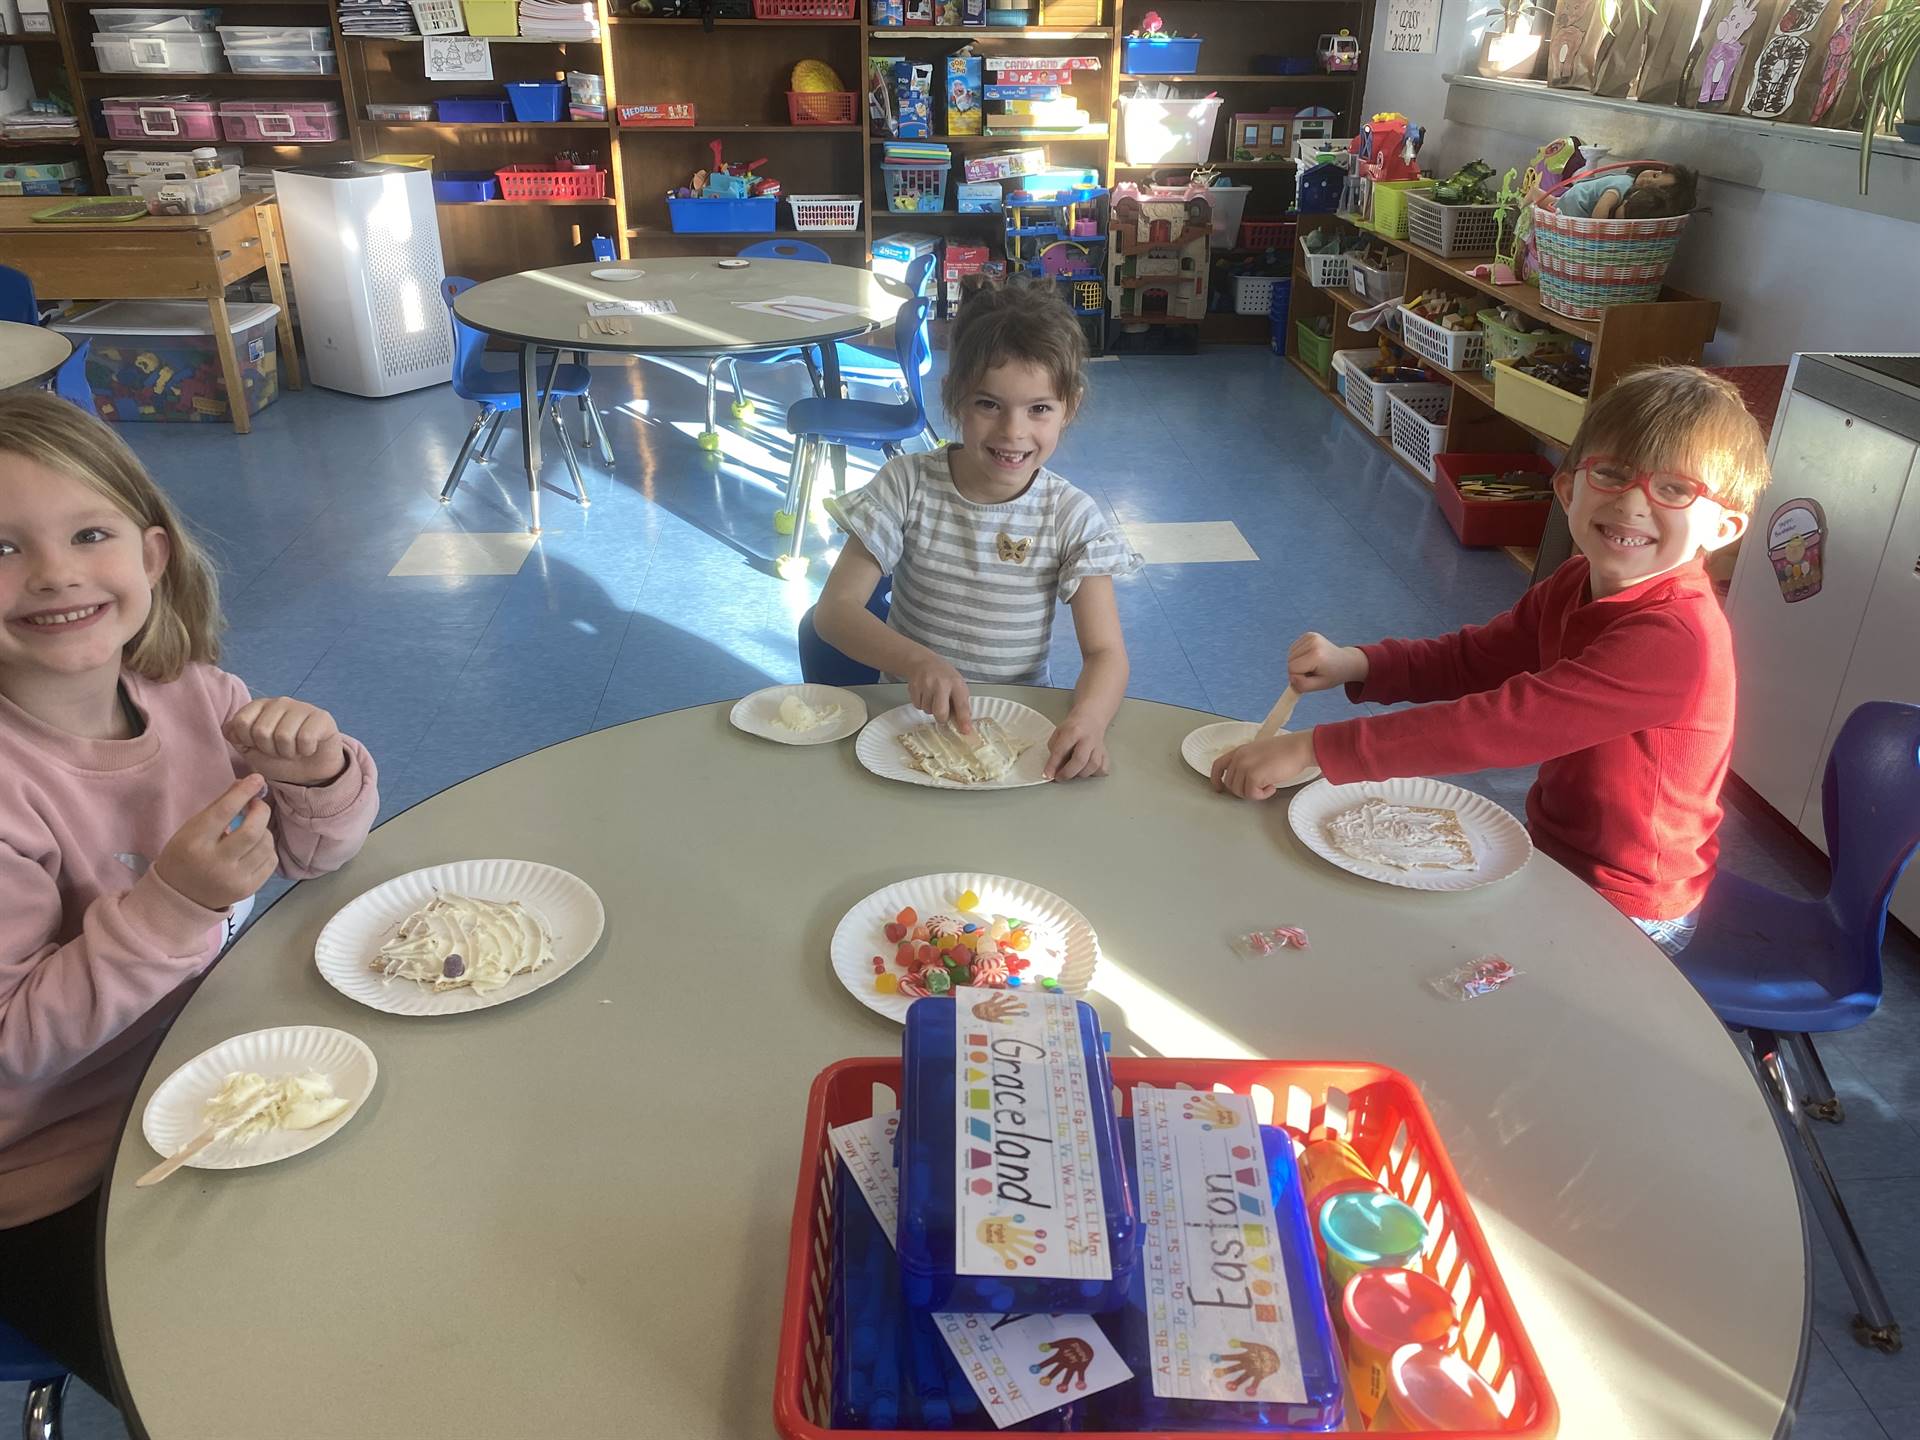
[(240, 819)]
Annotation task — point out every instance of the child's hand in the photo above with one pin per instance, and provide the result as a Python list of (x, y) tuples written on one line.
[(1254, 772), (1316, 663), (288, 740), (1076, 750), (217, 867), (937, 688)]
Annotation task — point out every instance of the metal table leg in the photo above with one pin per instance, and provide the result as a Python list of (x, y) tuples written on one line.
[(530, 431)]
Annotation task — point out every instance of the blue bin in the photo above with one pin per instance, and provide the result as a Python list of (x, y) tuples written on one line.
[(537, 101), (722, 217), (465, 187), (471, 110), (1161, 57)]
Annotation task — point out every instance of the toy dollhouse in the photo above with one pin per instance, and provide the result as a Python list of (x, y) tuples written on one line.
[(1263, 136), (1313, 122), (1159, 254), (1061, 237)]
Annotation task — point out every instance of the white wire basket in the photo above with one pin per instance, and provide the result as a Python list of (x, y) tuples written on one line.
[(1449, 349), (1253, 294), (1417, 424), (1450, 230), (1367, 398), (1327, 272), (825, 212)]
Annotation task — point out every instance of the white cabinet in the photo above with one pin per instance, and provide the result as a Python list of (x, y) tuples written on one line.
[(1848, 438)]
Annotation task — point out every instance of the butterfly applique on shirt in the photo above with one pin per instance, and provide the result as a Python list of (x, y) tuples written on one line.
[(1013, 551)]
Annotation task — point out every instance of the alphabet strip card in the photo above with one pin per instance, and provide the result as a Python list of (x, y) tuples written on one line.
[(1219, 1314), (1027, 1163)]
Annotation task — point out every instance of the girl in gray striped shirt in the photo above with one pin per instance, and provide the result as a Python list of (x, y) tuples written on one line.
[(982, 540)]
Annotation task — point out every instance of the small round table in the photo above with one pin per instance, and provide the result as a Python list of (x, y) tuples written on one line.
[(568, 1215), (547, 310), (30, 353)]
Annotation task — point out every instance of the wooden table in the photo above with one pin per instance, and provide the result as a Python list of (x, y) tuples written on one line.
[(161, 257), (568, 1215), (30, 353), (545, 309)]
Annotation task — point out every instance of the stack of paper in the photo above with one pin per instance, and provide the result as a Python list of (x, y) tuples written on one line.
[(556, 20), (376, 17), (917, 152)]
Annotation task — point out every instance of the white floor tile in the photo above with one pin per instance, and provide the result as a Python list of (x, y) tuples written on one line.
[(1196, 542), (454, 552)]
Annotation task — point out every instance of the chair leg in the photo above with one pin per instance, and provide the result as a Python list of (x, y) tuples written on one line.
[(1820, 1102), (783, 520), (931, 436), (742, 402), (599, 428), (493, 436), (566, 453), (710, 437), (813, 372), (1874, 1325), (800, 505), (839, 453), (41, 1418), (466, 450), (891, 450)]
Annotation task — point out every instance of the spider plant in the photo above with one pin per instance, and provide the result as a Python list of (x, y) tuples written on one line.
[(1887, 47)]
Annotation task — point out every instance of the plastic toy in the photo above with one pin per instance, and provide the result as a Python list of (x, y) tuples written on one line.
[(1387, 146), (1339, 53), (1266, 135), (1467, 186), (1313, 122), (1060, 237), (728, 180), (1160, 238)]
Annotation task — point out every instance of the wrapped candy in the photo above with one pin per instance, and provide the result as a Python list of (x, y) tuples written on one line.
[(1266, 942), (1474, 979)]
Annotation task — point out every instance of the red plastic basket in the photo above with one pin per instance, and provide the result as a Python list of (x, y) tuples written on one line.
[(542, 182), (822, 107), (1490, 522), (1267, 234), (805, 9), (1379, 1111)]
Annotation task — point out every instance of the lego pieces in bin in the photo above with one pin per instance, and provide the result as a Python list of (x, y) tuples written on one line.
[(1446, 309)]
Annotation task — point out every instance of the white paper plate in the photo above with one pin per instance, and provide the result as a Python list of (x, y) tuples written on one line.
[(1207, 744), (176, 1112), (861, 934), (733, 264), (757, 713), (354, 936), (615, 272), (1500, 842), (880, 750)]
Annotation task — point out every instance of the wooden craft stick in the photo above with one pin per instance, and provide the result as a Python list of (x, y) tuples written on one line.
[(1278, 716)]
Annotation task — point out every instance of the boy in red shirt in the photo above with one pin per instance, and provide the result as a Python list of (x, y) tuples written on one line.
[(1615, 674)]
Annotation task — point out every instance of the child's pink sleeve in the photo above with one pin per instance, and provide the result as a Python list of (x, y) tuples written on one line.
[(61, 1004)]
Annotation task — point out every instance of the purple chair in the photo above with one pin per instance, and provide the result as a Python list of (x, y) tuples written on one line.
[(822, 664), (1778, 970)]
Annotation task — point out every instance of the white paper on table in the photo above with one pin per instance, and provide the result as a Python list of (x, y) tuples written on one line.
[(632, 307), (1018, 1365), (799, 307), (457, 57)]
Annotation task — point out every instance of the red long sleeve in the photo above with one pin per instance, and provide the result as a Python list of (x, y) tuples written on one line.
[(1626, 703)]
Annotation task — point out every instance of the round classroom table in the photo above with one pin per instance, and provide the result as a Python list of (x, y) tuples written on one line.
[(30, 353), (547, 310), (568, 1215)]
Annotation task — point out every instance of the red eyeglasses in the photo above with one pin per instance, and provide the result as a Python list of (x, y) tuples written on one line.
[(1665, 488)]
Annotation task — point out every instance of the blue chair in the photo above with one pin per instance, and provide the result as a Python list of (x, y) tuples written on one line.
[(821, 664), (21, 1361), (871, 358), (70, 380), (834, 423), (497, 392), (17, 300), (1780, 970), (742, 405)]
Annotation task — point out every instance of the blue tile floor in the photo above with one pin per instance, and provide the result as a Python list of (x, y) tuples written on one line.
[(659, 596)]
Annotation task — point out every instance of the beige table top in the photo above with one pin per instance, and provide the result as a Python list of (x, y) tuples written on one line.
[(17, 212), (546, 307), (568, 1215), (30, 353)]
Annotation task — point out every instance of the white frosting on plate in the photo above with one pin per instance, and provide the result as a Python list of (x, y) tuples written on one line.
[(1404, 837), (944, 753), (453, 941), (797, 716), (259, 1104)]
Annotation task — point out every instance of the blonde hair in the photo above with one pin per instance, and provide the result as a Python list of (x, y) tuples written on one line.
[(1678, 417), (184, 624), (1016, 321)]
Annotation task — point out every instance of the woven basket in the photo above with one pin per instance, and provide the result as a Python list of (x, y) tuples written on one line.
[(1587, 266)]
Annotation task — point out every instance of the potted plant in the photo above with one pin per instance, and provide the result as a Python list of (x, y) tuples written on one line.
[(1889, 44), (1514, 44)]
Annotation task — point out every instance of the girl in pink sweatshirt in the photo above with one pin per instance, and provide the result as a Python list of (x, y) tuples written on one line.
[(144, 798)]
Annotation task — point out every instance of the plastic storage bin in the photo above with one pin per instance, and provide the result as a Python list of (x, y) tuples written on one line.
[(286, 122), (934, 1125), (1389, 202), (1452, 229), (281, 62), (1267, 234), (1449, 349), (1546, 408), (154, 359), (1506, 343), (722, 217), (177, 164), (1379, 1112), (160, 117), (825, 212), (1229, 204), (1161, 57), (282, 39), (546, 182), (492, 17), (1133, 1406), (1314, 350), (1490, 522), (165, 196), (1327, 272), (1165, 132), (1253, 294), (1417, 426), (465, 187), (805, 9), (915, 188), (823, 107), (537, 101), (1366, 397), (1375, 283), (471, 110), (183, 52), (124, 20)]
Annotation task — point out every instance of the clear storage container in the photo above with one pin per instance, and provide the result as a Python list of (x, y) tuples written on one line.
[(155, 359), (160, 117), (123, 21), (284, 122), (166, 196), (172, 164), (275, 37), (184, 52), (281, 62)]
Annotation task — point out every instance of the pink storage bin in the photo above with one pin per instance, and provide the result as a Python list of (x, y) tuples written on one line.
[(160, 117), (283, 122)]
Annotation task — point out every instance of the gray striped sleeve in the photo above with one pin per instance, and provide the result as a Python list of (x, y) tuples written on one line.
[(877, 513), (1089, 545)]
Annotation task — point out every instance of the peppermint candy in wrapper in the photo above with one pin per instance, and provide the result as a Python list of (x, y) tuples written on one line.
[(1474, 979), (1266, 942)]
